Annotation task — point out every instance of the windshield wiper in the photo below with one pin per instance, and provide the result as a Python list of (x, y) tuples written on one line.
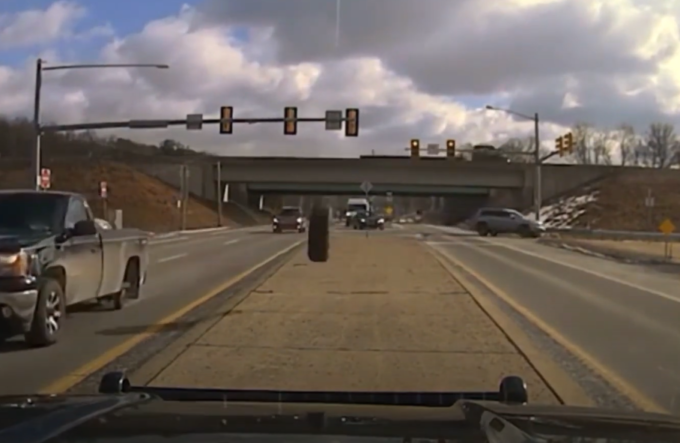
[(512, 390)]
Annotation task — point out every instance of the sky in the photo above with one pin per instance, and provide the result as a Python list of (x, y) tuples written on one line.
[(421, 69)]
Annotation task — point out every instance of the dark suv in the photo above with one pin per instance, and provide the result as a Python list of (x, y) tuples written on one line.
[(289, 219)]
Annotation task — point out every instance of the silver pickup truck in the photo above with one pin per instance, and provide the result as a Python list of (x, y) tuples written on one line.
[(53, 255)]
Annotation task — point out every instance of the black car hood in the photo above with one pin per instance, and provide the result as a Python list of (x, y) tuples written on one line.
[(40, 418), (10, 241)]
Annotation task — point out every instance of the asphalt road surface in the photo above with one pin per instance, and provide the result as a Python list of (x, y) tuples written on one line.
[(381, 314), (621, 319), (182, 269)]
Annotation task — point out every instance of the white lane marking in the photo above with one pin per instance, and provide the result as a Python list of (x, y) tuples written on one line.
[(171, 257), (231, 242), (586, 270)]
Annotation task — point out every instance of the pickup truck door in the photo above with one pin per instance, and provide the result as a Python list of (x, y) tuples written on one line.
[(83, 257)]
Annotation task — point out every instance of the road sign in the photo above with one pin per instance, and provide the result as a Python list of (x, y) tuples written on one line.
[(433, 148), (366, 186), (667, 227), (194, 122), (389, 211), (103, 189), (649, 200), (333, 120), (45, 178), (389, 197)]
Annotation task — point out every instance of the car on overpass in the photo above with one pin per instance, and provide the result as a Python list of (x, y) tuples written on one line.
[(291, 218)]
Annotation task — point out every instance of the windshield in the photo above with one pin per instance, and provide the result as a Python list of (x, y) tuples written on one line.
[(290, 212), (244, 153), (356, 207), (31, 211)]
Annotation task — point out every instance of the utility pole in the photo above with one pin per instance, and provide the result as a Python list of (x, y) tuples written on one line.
[(220, 187), (538, 187)]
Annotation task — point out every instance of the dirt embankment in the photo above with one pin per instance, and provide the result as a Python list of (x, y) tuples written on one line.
[(147, 202)]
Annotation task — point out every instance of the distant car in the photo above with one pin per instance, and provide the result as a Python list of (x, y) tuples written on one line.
[(289, 219), (494, 221), (368, 220)]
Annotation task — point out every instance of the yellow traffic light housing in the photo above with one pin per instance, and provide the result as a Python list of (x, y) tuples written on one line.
[(559, 145), (450, 148), (226, 113), (568, 143), (415, 148), (352, 122), (290, 125)]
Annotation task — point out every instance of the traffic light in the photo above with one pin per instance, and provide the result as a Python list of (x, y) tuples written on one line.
[(290, 126), (226, 112), (568, 143), (450, 148), (559, 146), (415, 148), (352, 122)]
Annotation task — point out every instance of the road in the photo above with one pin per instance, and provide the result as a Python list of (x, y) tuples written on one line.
[(623, 320), (381, 314), (181, 270)]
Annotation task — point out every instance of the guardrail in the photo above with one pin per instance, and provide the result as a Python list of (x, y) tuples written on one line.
[(605, 234)]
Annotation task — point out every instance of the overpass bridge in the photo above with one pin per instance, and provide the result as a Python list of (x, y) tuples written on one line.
[(509, 184)]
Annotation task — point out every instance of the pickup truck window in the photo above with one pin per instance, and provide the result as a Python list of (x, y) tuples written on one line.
[(31, 211), (76, 212)]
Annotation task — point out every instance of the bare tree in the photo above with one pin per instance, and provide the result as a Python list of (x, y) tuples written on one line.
[(627, 141), (582, 133), (660, 147), (600, 152), (519, 150)]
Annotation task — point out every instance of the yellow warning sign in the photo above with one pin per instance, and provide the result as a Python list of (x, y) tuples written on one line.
[(388, 210), (667, 226)]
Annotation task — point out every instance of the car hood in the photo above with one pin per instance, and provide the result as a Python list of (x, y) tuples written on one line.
[(10, 241), (41, 418)]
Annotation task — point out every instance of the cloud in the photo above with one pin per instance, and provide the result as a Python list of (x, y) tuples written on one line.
[(35, 27), (413, 68)]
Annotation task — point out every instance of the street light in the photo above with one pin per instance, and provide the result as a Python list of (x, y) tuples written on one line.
[(39, 68), (538, 192)]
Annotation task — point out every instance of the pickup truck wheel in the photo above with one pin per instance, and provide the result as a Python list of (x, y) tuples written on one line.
[(130, 288), (50, 311)]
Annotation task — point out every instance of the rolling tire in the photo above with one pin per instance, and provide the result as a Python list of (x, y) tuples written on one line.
[(318, 237), (50, 312)]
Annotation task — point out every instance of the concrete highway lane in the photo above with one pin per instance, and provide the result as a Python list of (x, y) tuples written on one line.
[(182, 270), (622, 320)]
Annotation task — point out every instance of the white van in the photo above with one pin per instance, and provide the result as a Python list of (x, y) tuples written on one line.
[(355, 205)]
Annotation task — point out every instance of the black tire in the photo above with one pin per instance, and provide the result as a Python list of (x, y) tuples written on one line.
[(49, 315), (130, 289), (318, 237), (482, 229), (524, 231)]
